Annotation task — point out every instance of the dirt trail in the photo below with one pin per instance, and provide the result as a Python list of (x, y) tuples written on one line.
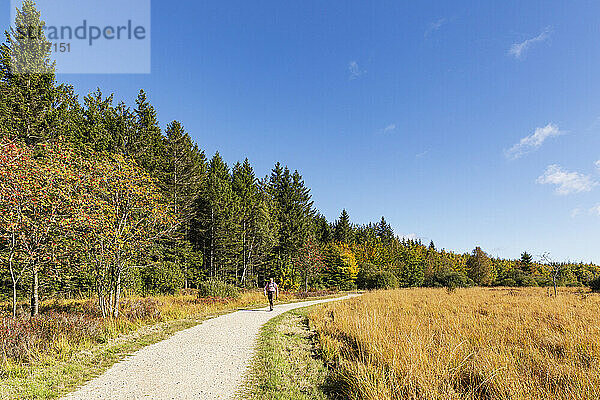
[(207, 361)]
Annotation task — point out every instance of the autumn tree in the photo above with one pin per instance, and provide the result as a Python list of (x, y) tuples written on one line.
[(16, 164), (341, 267), (479, 268), (309, 261), (121, 214), (37, 196)]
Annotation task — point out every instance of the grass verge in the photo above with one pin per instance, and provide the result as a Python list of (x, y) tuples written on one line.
[(285, 366)]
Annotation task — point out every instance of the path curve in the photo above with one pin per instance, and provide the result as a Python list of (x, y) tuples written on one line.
[(206, 361)]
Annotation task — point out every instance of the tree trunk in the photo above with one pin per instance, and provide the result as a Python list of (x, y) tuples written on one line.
[(14, 279), (35, 300), (212, 243), (101, 301), (117, 294), (14, 299)]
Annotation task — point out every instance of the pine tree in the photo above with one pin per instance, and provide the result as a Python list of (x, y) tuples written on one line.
[(181, 180), (147, 147), (294, 211), (249, 217), (184, 173), (322, 228), (343, 232), (384, 231), (213, 228), (28, 77), (526, 262)]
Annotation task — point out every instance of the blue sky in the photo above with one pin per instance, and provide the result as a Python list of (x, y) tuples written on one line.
[(465, 122)]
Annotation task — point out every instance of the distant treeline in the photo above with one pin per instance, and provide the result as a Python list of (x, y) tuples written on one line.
[(97, 198)]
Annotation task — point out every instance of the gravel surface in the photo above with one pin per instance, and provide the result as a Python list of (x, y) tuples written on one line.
[(207, 361)]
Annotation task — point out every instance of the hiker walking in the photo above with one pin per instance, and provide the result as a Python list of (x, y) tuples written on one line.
[(271, 289)]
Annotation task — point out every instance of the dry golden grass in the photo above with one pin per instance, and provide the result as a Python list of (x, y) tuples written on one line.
[(469, 344)]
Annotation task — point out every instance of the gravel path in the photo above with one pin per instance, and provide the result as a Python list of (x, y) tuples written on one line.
[(207, 361)]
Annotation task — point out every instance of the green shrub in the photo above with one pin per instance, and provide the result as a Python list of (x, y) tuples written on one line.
[(385, 280), (517, 277), (364, 279), (216, 288), (449, 279), (595, 284), (164, 278), (371, 277), (508, 282)]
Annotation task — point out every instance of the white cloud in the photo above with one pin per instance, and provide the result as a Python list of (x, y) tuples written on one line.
[(534, 141), (597, 164), (434, 26), (355, 70), (595, 210), (576, 212), (519, 49), (389, 128), (422, 154), (566, 182)]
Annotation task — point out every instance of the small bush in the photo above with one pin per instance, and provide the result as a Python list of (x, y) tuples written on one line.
[(508, 282), (365, 275), (23, 339), (517, 277), (141, 309), (595, 284), (385, 280), (216, 288), (164, 278), (371, 277), (449, 279)]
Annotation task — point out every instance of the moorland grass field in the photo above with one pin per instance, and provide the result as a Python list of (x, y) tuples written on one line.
[(476, 343)]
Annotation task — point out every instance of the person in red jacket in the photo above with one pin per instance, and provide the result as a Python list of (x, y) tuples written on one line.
[(271, 289)]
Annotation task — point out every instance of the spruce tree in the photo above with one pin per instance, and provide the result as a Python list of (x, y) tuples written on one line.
[(343, 232), (182, 178), (322, 228), (526, 262), (184, 173), (252, 214), (384, 231), (147, 147), (28, 78), (294, 212), (213, 228), (97, 115)]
